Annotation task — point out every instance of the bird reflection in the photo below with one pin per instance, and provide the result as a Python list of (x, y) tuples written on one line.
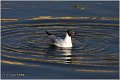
[(68, 55), (61, 54)]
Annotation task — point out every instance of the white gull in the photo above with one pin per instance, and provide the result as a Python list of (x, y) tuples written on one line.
[(59, 42)]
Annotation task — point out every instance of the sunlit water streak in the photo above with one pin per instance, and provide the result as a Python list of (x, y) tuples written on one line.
[(95, 44)]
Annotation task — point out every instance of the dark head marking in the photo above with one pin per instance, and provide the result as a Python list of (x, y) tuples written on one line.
[(70, 32)]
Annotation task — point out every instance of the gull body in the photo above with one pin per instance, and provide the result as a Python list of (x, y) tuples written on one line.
[(57, 41)]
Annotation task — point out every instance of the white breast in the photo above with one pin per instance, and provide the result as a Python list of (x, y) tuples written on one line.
[(67, 42)]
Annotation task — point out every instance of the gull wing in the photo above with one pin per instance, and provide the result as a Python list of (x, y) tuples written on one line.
[(55, 39)]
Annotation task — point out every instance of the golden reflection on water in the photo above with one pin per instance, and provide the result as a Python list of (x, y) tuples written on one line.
[(8, 20), (18, 63), (31, 59), (12, 62), (78, 17), (62, 17), (93, 70)]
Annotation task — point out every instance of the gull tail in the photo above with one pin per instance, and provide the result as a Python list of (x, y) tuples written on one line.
[(48, 33)]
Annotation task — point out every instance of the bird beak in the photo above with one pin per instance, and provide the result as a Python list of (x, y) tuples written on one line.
[(73, 33)]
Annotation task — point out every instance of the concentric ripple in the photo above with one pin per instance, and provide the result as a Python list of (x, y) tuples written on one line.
[(94, 43)]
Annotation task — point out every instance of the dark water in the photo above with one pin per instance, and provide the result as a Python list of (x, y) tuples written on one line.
[(28, 9), (95, 44)]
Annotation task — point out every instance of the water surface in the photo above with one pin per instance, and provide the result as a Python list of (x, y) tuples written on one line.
[(26, 46)]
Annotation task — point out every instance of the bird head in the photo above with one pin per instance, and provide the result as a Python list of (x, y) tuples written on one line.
[(70, 32)]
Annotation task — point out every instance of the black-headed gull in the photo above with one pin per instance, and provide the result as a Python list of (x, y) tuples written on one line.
[(57, 41)]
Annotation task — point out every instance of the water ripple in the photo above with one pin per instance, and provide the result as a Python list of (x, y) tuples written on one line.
[(94, 44)]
